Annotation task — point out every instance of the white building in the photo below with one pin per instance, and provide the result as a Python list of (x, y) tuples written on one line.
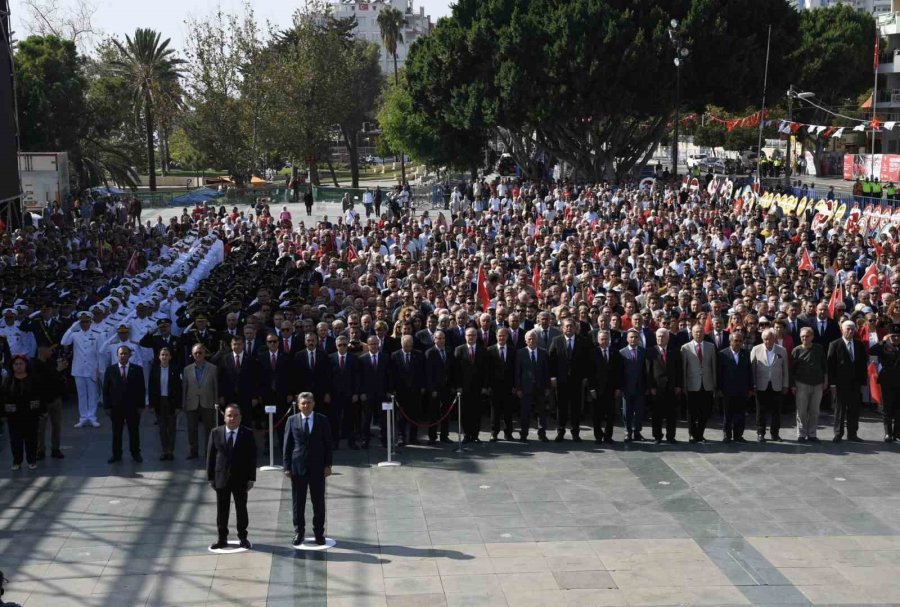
[(416, 24), (888, 101), (875, 7)]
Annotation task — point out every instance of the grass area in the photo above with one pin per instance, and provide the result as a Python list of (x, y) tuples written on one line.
[(368, 173)]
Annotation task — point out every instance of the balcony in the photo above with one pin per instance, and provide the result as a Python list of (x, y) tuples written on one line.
[(889, 23), (889, 62)]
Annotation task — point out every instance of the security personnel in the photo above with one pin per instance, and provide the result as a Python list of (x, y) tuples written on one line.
[(876, 189), (108, 351), (889, 378), (162, 338), (20, 342), (85, 341), (200, 333), (867, 188), (890, 191)]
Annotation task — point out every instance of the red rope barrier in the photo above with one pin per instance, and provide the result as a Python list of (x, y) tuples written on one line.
[(426, 425)]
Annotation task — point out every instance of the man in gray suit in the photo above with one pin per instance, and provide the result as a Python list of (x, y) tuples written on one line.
[(200, 393), (545, 333), (698, 359), (771, 381)]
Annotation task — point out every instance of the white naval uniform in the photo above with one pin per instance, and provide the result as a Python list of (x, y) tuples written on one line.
[(85, 345)]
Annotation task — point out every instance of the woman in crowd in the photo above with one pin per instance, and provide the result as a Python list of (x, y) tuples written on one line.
[(22, 409)]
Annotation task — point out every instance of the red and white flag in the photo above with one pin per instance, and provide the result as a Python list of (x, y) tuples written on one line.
[(483, 294), (837, 296), (869, 280), (352, 254), (877, 50), (132, 268), (536, 280), (805, 262)]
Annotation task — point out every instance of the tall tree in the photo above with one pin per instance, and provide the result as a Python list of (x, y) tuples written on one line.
[(363, 83), (151, 70), (390, 22)]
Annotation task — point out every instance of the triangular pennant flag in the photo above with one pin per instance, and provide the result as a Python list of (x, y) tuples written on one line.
[(875, 124), (784, 127), (811, 128), (819, 129), (805, 262), (829, 132), (796, 126), (838, 133), (860, 128), (889, 125)]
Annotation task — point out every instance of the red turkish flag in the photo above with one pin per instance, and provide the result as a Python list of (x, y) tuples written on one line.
[(352, 255), (707, 326), (132, 268), (874, 386), (536, 280), (837, 296), (805, 262), (483, 294), (589, 296), (539, 221), (870, 278)]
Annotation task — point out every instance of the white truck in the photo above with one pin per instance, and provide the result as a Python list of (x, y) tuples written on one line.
[(45, 178)]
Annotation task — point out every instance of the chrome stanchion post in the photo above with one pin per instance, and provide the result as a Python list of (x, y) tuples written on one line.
[(459, 433), (270, 410), (388, 408)]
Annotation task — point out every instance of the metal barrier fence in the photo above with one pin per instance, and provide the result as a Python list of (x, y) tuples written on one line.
[(233, 197)]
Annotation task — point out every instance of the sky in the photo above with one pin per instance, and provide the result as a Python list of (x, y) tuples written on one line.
[(169, 16)]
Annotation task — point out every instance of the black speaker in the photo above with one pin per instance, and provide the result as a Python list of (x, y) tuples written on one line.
[(10, 189)]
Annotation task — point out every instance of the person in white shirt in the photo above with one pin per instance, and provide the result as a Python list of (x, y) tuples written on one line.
[(85, 342)]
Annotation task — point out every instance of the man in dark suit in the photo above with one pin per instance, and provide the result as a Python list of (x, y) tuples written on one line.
[(486, 335), (165, 397), (314, 370), (231, 471), (278, 381), (239, 381), (470, 377), (425, 337), (568, 354), (825, 330), (516, 332), (373, 389), (664, 382), (502, 358), (163, 338), (846, 376), (604, 382), (634, 385), (735, 378), (344, 411), (123, 399), (718, 337), (46, 329), (407, 375), (307, 462), (288, 344), (532, 384), (438, 387)]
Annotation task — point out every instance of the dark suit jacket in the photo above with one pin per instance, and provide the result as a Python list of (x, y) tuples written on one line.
[(308, 454), (374, 382), (174, 373), (390, 345), (424, 340), (237, 470), (735, 380), (239, 387), (844, 373), (438, 370), (157, 343), (502, 374), (634, 371), (277, 384), (566, 369), (121, 396), (344, 383), (296, 345), (605, 377), (470, 376), (519, 341), (491, 339), (531, 377), (832, 332), (724, 342), (403, 377), (318, 379), (664, 376)]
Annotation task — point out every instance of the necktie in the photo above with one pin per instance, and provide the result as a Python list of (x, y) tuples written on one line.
[(503, 354), (406, 361), (700, 353), (822, 328), (662, 353), (485, 338), (124, 374), (237, 362), (250, 347), (569, 347), (605, 354), (312, 360), (229, 446), (342, 362), (198, 373), (443, 356), (274, 361), (545, 336), (471, 354), (634, 354), (375, 360), (514, 334), (306, 425), (850, 350), (533, 357), (287, 346)]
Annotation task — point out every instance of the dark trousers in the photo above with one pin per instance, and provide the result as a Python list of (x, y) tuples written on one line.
[(167, 418), (633, 412), (409, 400), (337, 410), (735, 409), (308, 210), (568, 406), (768, 404), (201, 414), (54, 416), (664, 406), (699, 409), (438, 407), (223, 510), (471, 413), (351, 420), (846, 410), (503, 403), (129, 417), (300, 484), (890, 406), (371, 411), (23, 436), (533, 403), (604, 415)]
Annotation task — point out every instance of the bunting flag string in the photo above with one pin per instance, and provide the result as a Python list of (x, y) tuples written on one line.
[(747, 122)]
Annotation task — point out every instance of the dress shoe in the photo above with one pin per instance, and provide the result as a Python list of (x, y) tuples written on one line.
[(692, 440), (245, 544), (432, 441), (608, 439), (137, 457), (15, 467), (855, 439), (576, 438), (702, 440), (94, 423), (80, 424), (598, 441), (493, 438), (888, 438), (657, 441), (777, 438), (672, 441), (836, 439), (114, 460), (523, 438), (628, 438), (639, 437), (467, 440), (320, 540), (401, 442), (192, 455), (727, 439), (740, 439), (32, 466), (814, 439), (220, 545), (560, 437), (41, 456), (801, 439), (57, 455), (445, 439), (761, 438), (543, 437), (507, 435), (476, 440), (298, 539)]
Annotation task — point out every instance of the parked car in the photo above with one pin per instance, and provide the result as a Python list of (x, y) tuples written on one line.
[(695, 159), (712, 165)]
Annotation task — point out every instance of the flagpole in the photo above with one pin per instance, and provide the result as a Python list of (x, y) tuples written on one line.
[(762, 112), (874, 102)]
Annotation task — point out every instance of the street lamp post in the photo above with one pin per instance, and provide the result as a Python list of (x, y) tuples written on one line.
[(791, 94), (681, 53)]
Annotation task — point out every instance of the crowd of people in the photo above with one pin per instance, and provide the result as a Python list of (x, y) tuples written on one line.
[(550, 306)]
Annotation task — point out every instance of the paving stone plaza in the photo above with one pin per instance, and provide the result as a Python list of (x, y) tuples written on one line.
[(503, 524)]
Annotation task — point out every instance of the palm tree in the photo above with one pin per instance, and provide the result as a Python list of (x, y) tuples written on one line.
[(390, 21), (152, 71)]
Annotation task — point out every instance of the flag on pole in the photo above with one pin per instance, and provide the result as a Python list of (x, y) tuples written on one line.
[(837, 296), (877, 50), (707, 326), (536, 280), (870, 279), (352, 254), (589, 296), (482, 292), (805, 262), (874, 386), (132, 268)]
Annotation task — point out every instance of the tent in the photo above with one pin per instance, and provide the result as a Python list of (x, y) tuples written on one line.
[(198, 196)]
